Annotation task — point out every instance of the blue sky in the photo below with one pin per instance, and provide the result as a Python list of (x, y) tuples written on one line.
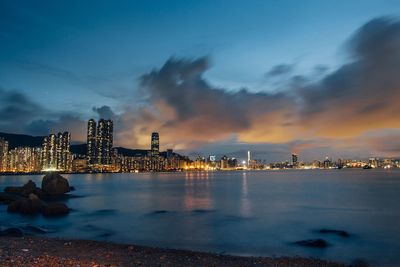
[(71, 56)]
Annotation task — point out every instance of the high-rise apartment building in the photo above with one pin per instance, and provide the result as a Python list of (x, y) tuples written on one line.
[(3, 154), (104, 142), (295, 160), (56, 152), (155, 144), (91, 142)]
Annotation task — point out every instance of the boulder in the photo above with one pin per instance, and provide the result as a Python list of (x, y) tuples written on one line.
[(26, 206), (55, 209), (25, 190), (7, 198), (53, 184)]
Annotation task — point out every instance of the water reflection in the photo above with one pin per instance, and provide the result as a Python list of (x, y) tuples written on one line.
[(197, 195), (245, 204)]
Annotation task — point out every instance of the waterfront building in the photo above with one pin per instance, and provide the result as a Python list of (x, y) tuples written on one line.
[(3, 154), (56, 153), (295, 160), (155, 152), (91, 142), (104, 142), (25, 159)]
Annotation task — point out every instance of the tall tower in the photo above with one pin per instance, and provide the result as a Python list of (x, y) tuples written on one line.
[(49, 152), (295, 159), (248, 159), (91, 141), (3, 154), (63, 153), (155, 144), (104, 141)]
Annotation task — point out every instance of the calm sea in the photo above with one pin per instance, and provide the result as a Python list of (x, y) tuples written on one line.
[(244, 213)]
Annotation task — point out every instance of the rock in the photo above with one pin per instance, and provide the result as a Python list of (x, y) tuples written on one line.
[(26, 206), (54, 184), (55, 209), (9, 197), (25, 190), (314, 243), (335, 232), (12, 232)]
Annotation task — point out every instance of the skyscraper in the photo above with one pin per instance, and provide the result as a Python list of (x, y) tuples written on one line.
[(56, 153), (104, 142), (64, 159), (49, 152), (91, 141), (295, 161), (3, 154), (155, 144)]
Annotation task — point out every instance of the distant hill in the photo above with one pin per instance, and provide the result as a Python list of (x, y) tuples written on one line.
[(19, 140), (16, 140)]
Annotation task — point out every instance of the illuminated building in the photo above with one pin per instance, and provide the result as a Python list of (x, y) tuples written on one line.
[(49, 152), (295, 160), (91, 141), (104, 142), (25, 159), (155, 152), (3, 154), (56, 153), (155, 145), (79, 165), (64, 158), (248, 159)]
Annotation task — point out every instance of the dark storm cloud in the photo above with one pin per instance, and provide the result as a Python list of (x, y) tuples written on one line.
[(16, 110), (19, 114), (201, 111), (364, 93), (104, 112), (359, 96)]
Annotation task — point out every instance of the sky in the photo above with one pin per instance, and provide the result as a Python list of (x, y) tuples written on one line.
[(318, 78)]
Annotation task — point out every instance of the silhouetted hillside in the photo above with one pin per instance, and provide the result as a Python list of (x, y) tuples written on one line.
[(15, 140), (19, 140)]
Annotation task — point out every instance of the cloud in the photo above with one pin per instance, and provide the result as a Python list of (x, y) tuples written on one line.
[(19, 114), (105, 112), (360, 96), (280, 70), (331, 114), (16, 110), (363, 94)]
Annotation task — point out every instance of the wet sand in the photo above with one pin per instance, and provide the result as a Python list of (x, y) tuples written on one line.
[(39, 251)]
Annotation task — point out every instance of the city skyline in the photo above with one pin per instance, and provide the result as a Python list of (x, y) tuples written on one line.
[(313, 90)]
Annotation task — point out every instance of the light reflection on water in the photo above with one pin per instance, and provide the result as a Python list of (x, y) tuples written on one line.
[(246, 213)]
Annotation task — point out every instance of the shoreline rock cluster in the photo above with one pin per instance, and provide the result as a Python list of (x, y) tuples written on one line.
[(30, 199)]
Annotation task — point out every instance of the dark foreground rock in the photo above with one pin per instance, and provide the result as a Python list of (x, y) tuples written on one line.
[(25, 190), (27, 206), (312, 243), (334, 232), (37, 251), (53, 184)]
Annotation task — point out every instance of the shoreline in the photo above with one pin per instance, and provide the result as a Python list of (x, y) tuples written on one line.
[(44, 251)]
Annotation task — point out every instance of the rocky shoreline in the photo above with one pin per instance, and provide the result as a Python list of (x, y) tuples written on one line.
[(40, 251)]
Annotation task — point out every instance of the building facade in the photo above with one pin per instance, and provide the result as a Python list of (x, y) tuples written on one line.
[(104, 142), (56, 153), (3, 155), (91, 142)]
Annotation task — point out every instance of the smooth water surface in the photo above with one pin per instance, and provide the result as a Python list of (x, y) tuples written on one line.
[(244, 213)]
